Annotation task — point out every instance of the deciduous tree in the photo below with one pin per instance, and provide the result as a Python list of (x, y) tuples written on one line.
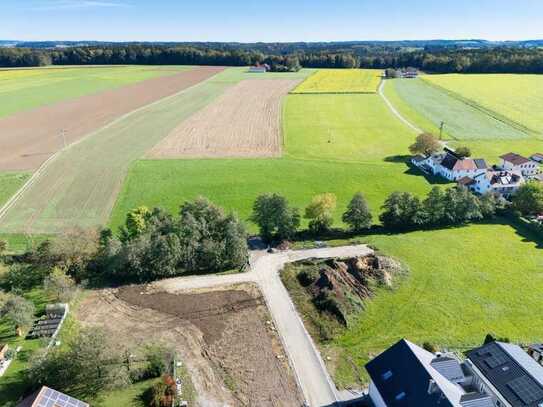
[(320, 212), (358, 215), (425, 144)]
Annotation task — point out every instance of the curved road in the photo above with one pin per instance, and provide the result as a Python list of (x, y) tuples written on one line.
[(311, 374)]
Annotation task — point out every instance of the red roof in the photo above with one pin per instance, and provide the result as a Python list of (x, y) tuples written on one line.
[(514, 159)]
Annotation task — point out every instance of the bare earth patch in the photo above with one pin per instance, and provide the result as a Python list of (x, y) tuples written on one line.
[(29, 138), (232, 352), (244, 122)]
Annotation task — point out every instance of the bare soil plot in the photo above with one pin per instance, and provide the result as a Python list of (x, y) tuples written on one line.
[(232, 353), (244, 122), (29, 138)]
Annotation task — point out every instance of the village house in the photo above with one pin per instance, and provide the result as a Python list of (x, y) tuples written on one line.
[(259, 68), (450, 166), (504, 183), (537, 157), (515, 162), (494, 375)]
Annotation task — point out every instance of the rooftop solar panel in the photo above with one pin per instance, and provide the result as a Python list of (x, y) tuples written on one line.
[(526, 389), (53, 398)]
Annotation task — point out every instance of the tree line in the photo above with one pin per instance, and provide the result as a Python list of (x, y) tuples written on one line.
[(287, 58)]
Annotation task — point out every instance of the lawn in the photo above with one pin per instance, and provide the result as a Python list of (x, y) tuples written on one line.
[(517, 97), (25, 89), (10, 182), (463, 283), (427, 106), (341, 81)]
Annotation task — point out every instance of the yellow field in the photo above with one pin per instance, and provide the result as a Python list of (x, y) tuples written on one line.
[(341, 81)]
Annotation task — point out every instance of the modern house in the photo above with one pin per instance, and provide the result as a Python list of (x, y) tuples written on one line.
[(47, 397), (450, 166), (494, 375), (504, 183), (516, 162)]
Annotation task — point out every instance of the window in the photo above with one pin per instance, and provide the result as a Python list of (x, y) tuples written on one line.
[(400, 396), (387, 375)]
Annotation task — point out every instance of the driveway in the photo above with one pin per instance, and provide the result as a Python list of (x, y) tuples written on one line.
[(305, 360)]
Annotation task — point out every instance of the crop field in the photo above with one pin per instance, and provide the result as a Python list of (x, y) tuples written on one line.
[(10, 182), (80, 187), (244, 122), (428, 106), (26, 89), (341, 81), (463, 284), (519, 98)]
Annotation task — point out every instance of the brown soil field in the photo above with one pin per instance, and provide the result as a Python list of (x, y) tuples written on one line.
[(224, 336), (244, 122), (29, 138)]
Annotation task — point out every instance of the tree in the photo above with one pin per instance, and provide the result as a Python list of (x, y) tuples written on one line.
[(491, 203), (461, 206), (528, 199), (402, 210), (74, 249), (59, 285), (358, 215), (20, 311), (274, 217), (425, 144), (3, 246), (434, 207), (320, 213), (136, 222), (463, 152)]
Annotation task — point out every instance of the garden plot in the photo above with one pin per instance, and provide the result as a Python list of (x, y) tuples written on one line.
[(29, 138), (244, 122), (233, 355)]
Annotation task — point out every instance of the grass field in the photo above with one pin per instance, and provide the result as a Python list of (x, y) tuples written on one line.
[(463, 283), (10, 182), (341, 81), (517, 97), (80, 187), (25, 89), (427, 106)]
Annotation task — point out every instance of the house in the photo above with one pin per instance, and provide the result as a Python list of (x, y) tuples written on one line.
[(407, 375), (47, 397), (536, 352), (504, 183), (537, 157), (516, 162), (258, 68), (507, 373), (452, 167)]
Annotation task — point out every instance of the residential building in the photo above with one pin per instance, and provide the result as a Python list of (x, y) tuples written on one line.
[(258, 68), (504, 183), (518, 163), (536, 352), (495, 374), (452, 167), (537, 157), (47, 397)]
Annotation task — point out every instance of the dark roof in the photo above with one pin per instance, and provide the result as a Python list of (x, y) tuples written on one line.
[(511, 371), (514, 158), (480, 163), (404, 369), (466, 181), (449, 161), (418, 158)]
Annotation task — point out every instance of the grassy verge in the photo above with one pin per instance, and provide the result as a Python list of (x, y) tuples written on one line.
[(10, 182)]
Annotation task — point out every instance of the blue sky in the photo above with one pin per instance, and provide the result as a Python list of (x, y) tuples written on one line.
[(269, 20)]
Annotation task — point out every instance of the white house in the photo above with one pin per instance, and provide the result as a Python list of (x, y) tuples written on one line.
[(516, 162), (258, 68), (450, 166), (504, 183)]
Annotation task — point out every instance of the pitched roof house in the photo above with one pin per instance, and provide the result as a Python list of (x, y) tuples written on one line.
[(452, 167), (47, 397), (516, 162), (504, 183)]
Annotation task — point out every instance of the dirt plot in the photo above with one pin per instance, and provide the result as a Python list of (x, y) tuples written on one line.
[(29, 138), (224, 336), (244, 122)]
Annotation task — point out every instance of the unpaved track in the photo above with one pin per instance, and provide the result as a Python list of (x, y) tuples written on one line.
[(311, 373), (244, 122), (28, 139), (395, 111)]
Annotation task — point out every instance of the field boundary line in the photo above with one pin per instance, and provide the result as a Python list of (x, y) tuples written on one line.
[(20, 192), (395, 111)]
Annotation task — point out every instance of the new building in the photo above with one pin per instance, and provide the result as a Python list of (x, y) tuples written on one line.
[(504, 183), (518, 163), (452, 167), (494, 375)]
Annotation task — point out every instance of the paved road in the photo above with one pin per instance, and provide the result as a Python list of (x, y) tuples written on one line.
[(311, 373)]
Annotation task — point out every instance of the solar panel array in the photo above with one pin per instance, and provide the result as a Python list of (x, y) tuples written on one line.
[(52, 398), (496, 359), (526, 389)]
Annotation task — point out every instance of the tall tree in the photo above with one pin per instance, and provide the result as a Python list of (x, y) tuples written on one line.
[(59, 285), (274, 217), (358, 215), (425, 144), (320, 212), (528, 199), (402, 210), (20, 311)]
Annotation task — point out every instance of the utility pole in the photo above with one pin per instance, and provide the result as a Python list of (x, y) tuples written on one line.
[(441, 130)]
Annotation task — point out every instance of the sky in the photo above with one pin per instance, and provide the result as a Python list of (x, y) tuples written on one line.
[(269, 20)]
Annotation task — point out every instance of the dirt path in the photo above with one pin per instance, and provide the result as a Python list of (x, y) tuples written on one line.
[(311, 373), (395, 111), (29, 138)]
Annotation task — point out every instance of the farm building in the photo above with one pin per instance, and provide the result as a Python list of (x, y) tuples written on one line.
[(258, 68), (516, 162), (494, 375)]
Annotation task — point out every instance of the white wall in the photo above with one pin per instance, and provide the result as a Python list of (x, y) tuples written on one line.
[(376, 396)]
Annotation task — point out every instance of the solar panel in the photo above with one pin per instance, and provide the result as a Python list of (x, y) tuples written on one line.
[(496, 359), (526, 389), (53, 398)]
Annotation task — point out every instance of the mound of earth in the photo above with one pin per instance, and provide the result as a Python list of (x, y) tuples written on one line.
[(340, 287)]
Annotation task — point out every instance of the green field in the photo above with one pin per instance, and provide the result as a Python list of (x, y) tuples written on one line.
[(517, 97), (10, 182), (341, 81), (427, 106), (25, 89), (80, 187), (463, 284)]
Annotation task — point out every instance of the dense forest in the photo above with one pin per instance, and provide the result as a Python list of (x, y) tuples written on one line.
[(432, 57)]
